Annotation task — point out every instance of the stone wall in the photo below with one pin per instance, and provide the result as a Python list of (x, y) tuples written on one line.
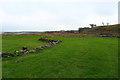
[(51, 42)]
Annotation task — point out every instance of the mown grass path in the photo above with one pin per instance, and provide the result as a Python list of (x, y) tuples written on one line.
[(88, 57)]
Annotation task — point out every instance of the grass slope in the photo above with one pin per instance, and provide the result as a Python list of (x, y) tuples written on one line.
[(90, 57), (104, 30)]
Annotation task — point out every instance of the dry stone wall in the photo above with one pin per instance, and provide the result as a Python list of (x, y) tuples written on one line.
[(51, 42)]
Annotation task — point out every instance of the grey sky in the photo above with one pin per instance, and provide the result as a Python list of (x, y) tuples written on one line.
[(42, 15)]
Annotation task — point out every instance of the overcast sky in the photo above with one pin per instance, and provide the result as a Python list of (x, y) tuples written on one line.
[(44, 15)]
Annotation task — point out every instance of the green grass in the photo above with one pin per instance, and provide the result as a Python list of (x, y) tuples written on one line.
[(16, 42), (88, 57)]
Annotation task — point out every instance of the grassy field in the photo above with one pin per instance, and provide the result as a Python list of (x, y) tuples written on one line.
[(16, 42), (75, 57)]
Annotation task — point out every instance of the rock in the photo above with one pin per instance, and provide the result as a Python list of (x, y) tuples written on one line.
[(25, 51), (32, 51)]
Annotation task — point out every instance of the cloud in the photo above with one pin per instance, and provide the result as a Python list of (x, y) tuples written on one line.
[(38, 16), (59, 0), (97, 19), (61, 15)]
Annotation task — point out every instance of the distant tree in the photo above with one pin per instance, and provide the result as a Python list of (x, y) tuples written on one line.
[(107, 23), (95, 25), (92, 25), (79, 30), (103, 23)]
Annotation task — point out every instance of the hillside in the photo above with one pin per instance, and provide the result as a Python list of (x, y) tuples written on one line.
[(104, 30)]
